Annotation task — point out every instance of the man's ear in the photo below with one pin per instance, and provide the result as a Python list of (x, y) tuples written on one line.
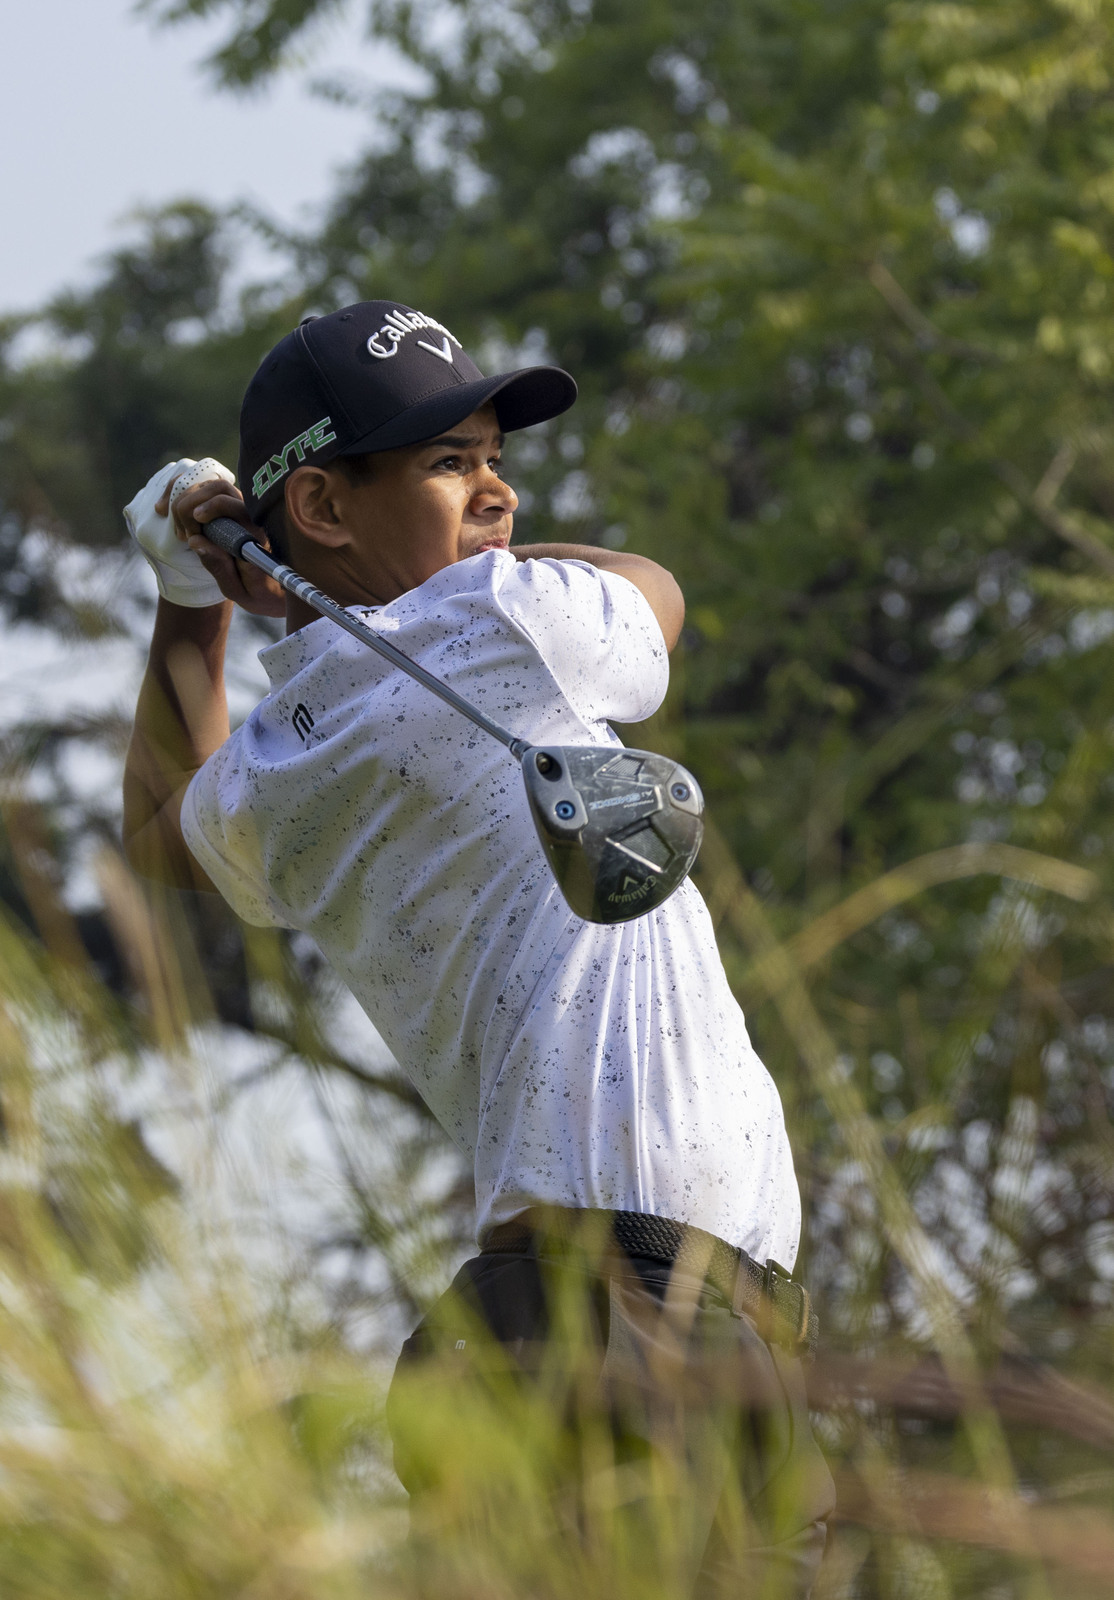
[(313, 506)]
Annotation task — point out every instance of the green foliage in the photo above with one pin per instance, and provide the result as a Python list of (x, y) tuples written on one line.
[(837, 283)]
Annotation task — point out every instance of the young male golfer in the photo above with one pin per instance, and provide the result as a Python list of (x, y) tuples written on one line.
[(593, 1073)]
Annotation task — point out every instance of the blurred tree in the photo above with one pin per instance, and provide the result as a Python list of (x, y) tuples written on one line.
[(152, 357), (836, 281), (155, 352)]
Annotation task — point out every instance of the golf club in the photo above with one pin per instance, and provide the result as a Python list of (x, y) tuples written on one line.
[(621, 828)]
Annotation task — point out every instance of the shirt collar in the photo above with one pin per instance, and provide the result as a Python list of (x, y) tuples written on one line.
[(287, 657)]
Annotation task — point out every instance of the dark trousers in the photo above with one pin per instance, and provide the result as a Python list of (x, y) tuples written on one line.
[(707, 1425)]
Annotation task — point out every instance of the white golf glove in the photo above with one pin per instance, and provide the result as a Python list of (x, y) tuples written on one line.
[(181, 577)]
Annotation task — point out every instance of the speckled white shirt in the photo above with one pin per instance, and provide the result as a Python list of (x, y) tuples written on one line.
[(578, 1064)]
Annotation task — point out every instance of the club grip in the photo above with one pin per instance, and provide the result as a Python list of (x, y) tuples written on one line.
[(228, 535)]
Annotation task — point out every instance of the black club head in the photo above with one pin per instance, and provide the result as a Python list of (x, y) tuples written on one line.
[(621, 828)]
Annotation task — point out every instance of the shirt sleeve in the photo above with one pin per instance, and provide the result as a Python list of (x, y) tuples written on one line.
[(597, 634), (218, 829)]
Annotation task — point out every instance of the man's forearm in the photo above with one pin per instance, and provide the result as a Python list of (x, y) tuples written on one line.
[(180, 719)]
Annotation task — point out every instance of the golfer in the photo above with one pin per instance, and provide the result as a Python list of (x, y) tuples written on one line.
[(595, 1075)]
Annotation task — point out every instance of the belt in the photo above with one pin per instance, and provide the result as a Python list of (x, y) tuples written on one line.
[(778, 1302)]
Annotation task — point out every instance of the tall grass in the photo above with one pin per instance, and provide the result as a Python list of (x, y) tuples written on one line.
[(179, 1419)]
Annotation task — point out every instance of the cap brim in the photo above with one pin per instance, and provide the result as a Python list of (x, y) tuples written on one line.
[(521, 399)]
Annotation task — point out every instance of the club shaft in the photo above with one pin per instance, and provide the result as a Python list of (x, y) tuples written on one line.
[(231, 537)]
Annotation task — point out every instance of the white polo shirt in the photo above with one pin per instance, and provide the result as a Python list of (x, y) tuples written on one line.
[(577, 1064)]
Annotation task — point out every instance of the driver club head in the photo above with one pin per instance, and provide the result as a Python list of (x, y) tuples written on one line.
[(621, 828)]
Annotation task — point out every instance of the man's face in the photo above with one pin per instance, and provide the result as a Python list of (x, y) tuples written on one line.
[(429, 505)]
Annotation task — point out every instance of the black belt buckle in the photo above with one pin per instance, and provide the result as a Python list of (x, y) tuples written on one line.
[(790, 1301)]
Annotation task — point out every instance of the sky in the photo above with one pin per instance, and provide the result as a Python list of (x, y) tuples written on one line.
[(100, 113)]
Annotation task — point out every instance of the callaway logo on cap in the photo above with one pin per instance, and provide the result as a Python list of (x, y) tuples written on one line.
[(373, 377)]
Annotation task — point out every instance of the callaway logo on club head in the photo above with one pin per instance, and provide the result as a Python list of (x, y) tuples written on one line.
[(397, 324), (630, 891)]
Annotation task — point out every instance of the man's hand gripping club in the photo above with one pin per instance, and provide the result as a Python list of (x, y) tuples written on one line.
[(167, 520)]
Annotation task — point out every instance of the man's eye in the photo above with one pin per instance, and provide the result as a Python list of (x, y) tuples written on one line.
[(452, 462)]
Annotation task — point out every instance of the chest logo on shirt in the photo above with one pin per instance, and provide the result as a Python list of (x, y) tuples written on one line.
[(301, 721)]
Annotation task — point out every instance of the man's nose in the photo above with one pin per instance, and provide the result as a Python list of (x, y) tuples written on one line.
[(492, 493)]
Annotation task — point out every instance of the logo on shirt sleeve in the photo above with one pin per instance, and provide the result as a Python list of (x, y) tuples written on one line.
[(301, 721)]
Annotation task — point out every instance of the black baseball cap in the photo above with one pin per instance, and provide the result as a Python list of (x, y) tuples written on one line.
[(373, 376)]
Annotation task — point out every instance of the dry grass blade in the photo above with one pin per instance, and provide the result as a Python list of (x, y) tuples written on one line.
[(933, 1506), (1034, 1396), (904, 883), (903, 1228)]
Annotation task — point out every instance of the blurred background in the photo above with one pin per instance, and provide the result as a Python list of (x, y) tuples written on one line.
[(836, 279)]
